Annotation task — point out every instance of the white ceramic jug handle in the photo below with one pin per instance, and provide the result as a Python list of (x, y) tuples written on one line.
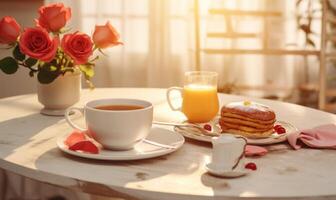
[(241, 137), (179, 89), (67, 117), (243, 153)]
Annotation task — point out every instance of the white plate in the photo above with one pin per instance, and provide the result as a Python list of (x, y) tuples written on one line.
[(226, 174), (274, 138), (141, 150)]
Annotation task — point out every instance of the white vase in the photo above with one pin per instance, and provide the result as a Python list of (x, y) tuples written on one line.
[(60, 94)]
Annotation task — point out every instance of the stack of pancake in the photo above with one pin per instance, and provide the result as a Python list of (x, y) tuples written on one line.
[(248, 119)]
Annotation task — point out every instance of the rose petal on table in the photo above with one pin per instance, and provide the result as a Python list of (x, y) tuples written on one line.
[(85, 146), (75, 137), (251, 150)]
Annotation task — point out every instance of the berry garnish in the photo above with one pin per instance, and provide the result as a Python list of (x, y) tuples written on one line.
[(277, 126), (280, 130), (207, 127), (251, 166)]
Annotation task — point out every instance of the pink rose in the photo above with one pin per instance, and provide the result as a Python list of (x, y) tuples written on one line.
[(78, 46), (53, 17), (37, 43), (9, 30), (106, 36)]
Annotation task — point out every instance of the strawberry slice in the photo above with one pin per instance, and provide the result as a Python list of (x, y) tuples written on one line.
[(75, 137), (85, 146), (251, 166)]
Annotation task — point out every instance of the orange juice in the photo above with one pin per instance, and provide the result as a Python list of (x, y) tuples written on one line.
[(200, 102)]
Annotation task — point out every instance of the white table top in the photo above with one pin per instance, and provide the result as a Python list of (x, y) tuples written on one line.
[(28, 147)]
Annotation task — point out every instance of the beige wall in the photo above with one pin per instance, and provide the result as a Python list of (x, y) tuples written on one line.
[(24, 11)]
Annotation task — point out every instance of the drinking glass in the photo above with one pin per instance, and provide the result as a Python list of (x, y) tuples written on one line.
[(199, 93)]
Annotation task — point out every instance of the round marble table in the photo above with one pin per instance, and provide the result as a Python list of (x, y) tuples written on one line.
[(28, 147)]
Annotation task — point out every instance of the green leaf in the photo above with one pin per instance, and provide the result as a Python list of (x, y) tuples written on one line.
[(8, 65), (17, 54), (87, 70), (53, 68), (45, 76), (30, 62)]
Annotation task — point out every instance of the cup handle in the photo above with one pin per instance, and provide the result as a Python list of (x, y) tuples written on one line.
[(243, 152), (168, 97), (67, 117), (242, 138)]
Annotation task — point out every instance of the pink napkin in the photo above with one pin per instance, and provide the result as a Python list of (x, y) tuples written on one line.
[(319, 137), (251, 150)]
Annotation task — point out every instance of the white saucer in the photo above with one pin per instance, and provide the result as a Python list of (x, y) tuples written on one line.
[(224, 173), (141, 150), (274, 138)]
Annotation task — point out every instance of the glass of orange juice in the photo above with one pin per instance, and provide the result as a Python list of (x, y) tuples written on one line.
[(200, 100)]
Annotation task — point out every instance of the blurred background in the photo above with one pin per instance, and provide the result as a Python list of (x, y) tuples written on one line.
[(165, 38)]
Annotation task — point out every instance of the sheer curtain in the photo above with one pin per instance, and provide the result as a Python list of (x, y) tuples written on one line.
[(257, 70), (159, 42), (156, 35)]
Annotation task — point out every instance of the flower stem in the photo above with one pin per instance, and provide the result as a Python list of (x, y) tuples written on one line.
[(29, 67)]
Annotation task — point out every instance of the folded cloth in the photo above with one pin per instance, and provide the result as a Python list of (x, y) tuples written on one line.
[(251, 150), (319, 137)]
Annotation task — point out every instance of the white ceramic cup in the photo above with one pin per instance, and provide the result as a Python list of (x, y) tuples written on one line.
[(228, 152), (115, 129)]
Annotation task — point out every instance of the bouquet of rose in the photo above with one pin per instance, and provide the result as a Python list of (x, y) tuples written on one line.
[(48, 51)]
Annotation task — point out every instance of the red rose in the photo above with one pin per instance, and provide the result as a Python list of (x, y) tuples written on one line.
[(106, 36), (53, 17), (37, 43), (9, 30), (78, 46)]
